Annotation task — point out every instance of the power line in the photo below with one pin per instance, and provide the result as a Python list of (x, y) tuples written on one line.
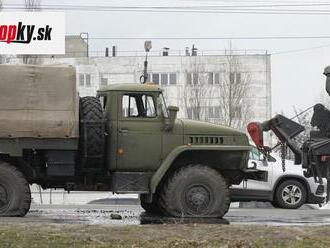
[(184, 9), (176, 6), (215, 38), (300, 50)]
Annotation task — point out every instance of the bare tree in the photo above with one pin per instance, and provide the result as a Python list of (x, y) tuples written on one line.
[(196, 91), (31, 5), (233, 91)]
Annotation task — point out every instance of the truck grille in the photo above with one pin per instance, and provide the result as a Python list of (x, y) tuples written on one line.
[(207, 140)]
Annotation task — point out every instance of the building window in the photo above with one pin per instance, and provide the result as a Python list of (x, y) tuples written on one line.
[(195, 78), (104, 81), (237, 112), (235, 77), (88, 80), (81, 79), (85, 80), (210, 112), (195, 113), (164, 78), (217, 78), (217, 112), (155, 78), (192, 78), (172, 78), (231, 77), (210, 78), (214, 112), (189, 78), (238, 78), (189, 113)]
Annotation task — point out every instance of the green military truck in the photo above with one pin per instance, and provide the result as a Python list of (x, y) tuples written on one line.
[(125, 140)]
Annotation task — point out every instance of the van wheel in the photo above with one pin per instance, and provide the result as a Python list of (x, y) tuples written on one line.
[(290, 194), (15, 195), (274, 204), (149, 207), (195, 191)]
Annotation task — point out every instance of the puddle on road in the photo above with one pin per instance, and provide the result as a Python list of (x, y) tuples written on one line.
[(147, 219), (134, 215), (106, 217)]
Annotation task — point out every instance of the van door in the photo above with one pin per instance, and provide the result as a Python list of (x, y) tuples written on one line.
[(256, 158)]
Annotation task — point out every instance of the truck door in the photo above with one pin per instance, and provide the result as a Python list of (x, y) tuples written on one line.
[(139, 132)]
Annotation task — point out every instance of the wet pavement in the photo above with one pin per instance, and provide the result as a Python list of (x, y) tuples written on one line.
[(134, 215)]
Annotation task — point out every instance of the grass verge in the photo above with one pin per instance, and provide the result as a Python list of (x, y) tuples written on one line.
[(173, 235)]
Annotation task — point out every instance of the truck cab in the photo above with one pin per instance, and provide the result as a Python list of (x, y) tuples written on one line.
[(134, 124)]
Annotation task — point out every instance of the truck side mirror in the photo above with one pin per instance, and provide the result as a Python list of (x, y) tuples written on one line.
[(169, 122)]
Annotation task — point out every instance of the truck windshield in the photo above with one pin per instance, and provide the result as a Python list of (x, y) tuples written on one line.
[(163, 104)]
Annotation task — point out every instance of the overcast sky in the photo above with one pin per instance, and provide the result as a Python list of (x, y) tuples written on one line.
[(296, 77)]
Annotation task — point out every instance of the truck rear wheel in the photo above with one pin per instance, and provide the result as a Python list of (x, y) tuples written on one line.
[(91, 127), (195, 191), (15, 195)]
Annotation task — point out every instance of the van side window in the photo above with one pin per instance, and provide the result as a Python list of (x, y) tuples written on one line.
[(138, 105)]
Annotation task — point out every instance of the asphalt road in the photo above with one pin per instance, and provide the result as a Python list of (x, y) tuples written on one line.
[(134, 215)]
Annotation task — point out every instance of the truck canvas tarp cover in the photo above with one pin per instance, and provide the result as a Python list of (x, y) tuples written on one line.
[(38, 102)]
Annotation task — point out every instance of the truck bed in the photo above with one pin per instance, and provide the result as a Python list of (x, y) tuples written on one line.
[(38, 102)]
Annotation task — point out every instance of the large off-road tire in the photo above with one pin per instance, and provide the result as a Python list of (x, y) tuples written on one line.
[(15, 195), (290, 194), (91, 116), (195, 191), (150, 207)]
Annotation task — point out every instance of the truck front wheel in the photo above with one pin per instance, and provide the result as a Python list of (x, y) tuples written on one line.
[(195, 191), (149, 207), (15, 195)]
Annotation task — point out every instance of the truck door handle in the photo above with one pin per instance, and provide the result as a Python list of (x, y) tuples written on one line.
[(123, 130)]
